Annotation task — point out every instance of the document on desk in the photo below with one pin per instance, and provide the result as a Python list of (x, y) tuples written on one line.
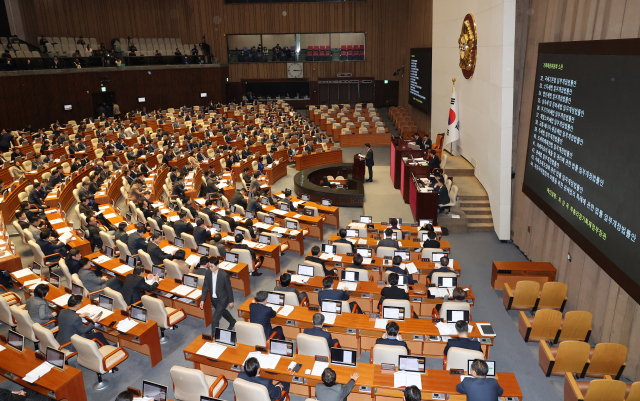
[(276, 308), (329, 318), (279, 230), (62, 300), (165, 210), (66, 237), (366, 261), (347, 285), (22, 272), (170, 249), (281, 196), (406, 379), (410, 267), (336, 258), (193, 258), (182, 290), (357, 225), (2, 348), (266, 361), (440, 292), (38, 372), (211, 350), (101, 259), (201, 201), (125, 325), (278, 212), (55, 221), (318, 368), (381, 323), (300, 279), (326, 256), (110, 216), (362, 241), (93, 310), (286, 310), (123, 269), (446, 329), (174, 218), (50, 211), (227, 265), (195, 294), (63, 230), (33, 282), (294, 232)]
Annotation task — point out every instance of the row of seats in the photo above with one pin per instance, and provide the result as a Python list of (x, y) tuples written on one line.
[(402, 121), (600, 390)]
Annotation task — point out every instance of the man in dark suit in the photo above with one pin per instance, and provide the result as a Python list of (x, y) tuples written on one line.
[(261, 313), (287, 200), (182, 225), (285, 280), (36, 196), (330, 293), (392, 336), (254, 205), (251, 373), (136, 241), (135, 283), (357, 262), (178, 188), (444, 262), (388, 242), (397, 260), (270, 158), (435, 160), (343, 239), (238, 198), (480, 387), (48, 248), (157, 255), (316, 330), (418, 139), (443, 194), (308, 148), (94, 233), (72, 261), (368, 161), (463, 340), (315, 252), (70, 323), (200, 232), (392, 292), (239, 245), (207, 210), (217, 285), (431, 242), (219, 245)]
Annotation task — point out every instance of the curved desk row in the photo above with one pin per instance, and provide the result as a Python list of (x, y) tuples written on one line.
[(317, 159)]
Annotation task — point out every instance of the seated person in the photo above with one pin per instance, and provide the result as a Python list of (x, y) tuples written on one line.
[(336, 295), (157, 255), (463, 340), (216, 241), (357, 262), (394, 226), (251, 373), (73, 261), (239, 245), (412, 393), (392, 336), (458, 295), (388, 242), (49, 249), (431, 242), (396, 268), (92, 282), (182, 225), (479, 387), (260, 313), (200, 232), (393, 292), (37, 306), (315, 251), (444, 262), (135, 283), (343, 239), (70, 323), (285, 280), (316, 330), (121, 233), (178, 258), (328, 390)]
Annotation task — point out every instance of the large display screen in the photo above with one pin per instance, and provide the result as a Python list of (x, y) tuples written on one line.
[(420, 79), (583, 156)]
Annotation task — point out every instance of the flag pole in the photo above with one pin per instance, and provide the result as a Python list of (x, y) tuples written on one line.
[(454, 85)]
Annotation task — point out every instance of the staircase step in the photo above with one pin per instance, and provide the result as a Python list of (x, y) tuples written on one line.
[(471, 211), (473, 204), (473, 197), (459, 172), (477, 227), (480, 218)]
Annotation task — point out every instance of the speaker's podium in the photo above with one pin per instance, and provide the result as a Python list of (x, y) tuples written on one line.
[(358, 168)]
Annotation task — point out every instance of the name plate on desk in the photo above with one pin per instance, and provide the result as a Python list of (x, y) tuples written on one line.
[(364, 295), (291, 323), (416, 299), (236, 368), (438, 396), (418, 337), (375, 268), (300, 380), (388, 366), (351, 331), (364, 389)]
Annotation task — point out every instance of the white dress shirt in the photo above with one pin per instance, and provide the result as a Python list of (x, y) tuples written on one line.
[(214, 281)]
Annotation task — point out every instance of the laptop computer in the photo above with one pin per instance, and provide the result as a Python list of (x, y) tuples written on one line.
[(351, 233), (366, 219), (424, 222), (249, 215), (330, 306), (305, 197), (231, 257), (394, 236), (226, 337), (393, 312), (76, 289), (190, 281), (131, 261), (15, 340), (179, 242), (138, 313), (365, 252), (305, 270), (159, 271), (203, 250), (455, 315), (105, 302), (275, 299), (292, 225), (405, 255), (36, 269), (397, 218), (436, 256), (54, 280), (55, 358), (284, 207), (350, 276), (329, 249), (490, 364), (108, 251), (342, 356), (281, 347), (447, 282), (155, 391), (412, 363), (263, 239)]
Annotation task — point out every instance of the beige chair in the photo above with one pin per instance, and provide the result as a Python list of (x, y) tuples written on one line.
[(98, 358), (363, 274), (312, 345), (107, 241), (244, 256), (427, 253), (189, 241), (191, 384), (172, 269), (47, 339), (123, 248), (145, 259), (39, 257), (206, 219), (5, 312), (169, 233), (118, 300), (545, 326), (446, 306), (382, 353), (166, 317), (290, 298), (153, 224), (525, 296), (251, 334), (318, 270), (343, 249), (384, 251), (25, 324), (553, 296), (458, 358), (245, 390)]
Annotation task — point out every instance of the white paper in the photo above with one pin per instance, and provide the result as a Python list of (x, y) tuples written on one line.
[(125, 325), (193, 258), (297, 278), (411, 268), (211, 350), (56, 221), (38, 372), (170, 248), (50, 211), (62, 300), (297, 216), (326, 256), (163, 211), (102, 207), (227, 265), (362, 241), (406, 379), (266, 361), (33, 282), (62, 230), (201, 201), (286, 310), (446, 329), (110, 216), (281, 196), (182, 290), (329, 318), (123, 269), (133, 230), (101, 259), (66, 237), (381, 324), (280, 230), (366, 261), (195, 294), (318, 368), (336, 258), (349, 286), (174, 218), (22, 273), (93, 311)]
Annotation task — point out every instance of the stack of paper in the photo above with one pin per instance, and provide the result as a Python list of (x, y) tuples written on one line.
[(62, 230), (50, 211), (297, 216), (266, 361), (174, 218), (406, 379), (280, 230), (2, 348), (357, 225), (440, 292), (294, 232), (182, 290), (286, 310), (102, 207), (66, 237), (297, 278), (123, 269), (125, 325), (347, 285), (366, 261), (325, 256), (195, 294), (318, 368), (93, 311), (38, 372), (22, 272), (329, 318), (337, 258), (170, 249), (211, 350), (101, 259), (165, 210), (446, 328), (55, 221), (109, 216), (62, 300), (381, 323), (193, 258), (409, 267), (133, 230), (278, 212), (227, 265), (33, 282)]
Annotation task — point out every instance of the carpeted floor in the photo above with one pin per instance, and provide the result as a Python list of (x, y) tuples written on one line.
[(474, 251)]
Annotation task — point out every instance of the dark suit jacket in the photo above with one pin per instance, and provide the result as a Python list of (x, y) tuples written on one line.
[(262, 315), (388, 242), (368, 158), (480, 389), (94, 236), (69, 323), (389, 341), (335, 295), (400, 270), (210, 213), (178, 189), (35, 198), (157, 255), (49, 249), (274, 391), (431, 244), (238, 199), (465, 343), (318, 260), (180, 227), (393, 292), (73, 265), (443, 195), (201, 235), (136, 242), (133, 286), (337, 392), (318, 332), (434, 163), (224, 292)]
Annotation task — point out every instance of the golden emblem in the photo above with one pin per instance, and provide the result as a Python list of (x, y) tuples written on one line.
[(468, 45)]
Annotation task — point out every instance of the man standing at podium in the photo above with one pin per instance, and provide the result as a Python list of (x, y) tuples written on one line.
[(368, 160)]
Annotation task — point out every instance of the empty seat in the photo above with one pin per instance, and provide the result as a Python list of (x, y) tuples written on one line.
[(191, 384), (576, 325), (312, 345), (98, 357), (545, 326), (525, 296), (607, 359), (382, 353), (569, 356), (595, 390), (458, 358)]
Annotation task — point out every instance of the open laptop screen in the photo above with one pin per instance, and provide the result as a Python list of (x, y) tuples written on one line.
[(342, 356)]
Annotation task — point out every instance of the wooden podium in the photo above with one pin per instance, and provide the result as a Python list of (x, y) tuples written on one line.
[(358, 168)]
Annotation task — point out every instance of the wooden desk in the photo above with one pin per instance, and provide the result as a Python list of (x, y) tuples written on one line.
[(405, 176), (12, 262), (358, 139), (398, 151), (277, 171), (58, 384), (317, 159), (81, 243), (312, 223), (512, 272), (331, 213), (365, 336), (238, 168), (381, 384), (404, 244), (424, 205)]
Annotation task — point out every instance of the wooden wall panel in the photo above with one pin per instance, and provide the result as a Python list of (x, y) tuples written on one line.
[(39, 99), (616, 316)]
